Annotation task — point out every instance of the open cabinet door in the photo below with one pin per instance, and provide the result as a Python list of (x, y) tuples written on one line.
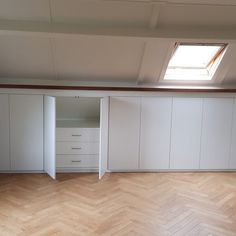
[(103, 154), (50, 136)]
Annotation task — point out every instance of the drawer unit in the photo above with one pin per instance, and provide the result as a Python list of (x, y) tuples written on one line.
[(74, 148), (77, 148), (78, 134), (77, 161)]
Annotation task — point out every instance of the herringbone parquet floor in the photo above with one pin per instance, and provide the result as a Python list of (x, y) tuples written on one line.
[(142, 204)]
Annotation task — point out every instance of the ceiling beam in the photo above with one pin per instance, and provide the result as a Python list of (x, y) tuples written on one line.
[(153, 22), (48, 30)]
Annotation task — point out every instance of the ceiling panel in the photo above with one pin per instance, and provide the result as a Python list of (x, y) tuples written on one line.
[(25, 57), (36, 10), (104, 59), (153, 60), (197, 15), (230, 77), (113, 13)]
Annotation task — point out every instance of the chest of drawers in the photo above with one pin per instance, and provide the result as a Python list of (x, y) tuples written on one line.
[(77, 149)]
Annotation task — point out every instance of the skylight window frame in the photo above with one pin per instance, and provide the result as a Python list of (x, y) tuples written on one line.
[(211, 68)]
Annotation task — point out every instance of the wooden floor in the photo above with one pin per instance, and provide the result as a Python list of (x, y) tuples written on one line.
[(121, 204)]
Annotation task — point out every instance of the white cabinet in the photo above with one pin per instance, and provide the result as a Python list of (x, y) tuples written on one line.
[(186, 133), (26, 132), (4, 133), (216, 133), (232, 163), (155, 132), (124, 129)]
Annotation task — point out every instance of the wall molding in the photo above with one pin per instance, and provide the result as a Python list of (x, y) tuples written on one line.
[(122, 89)]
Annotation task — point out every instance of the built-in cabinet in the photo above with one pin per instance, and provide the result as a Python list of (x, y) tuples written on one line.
[(30, 141), (145, 134), (4, 133), (172, 133)]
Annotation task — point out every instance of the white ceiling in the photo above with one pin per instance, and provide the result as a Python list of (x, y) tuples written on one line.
[(116, 41)]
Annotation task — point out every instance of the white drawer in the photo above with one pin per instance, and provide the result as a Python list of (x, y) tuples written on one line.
[(74, 148), (78, 134), (67, 161)]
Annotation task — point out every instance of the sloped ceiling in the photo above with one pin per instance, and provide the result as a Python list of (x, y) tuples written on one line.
[(116, 42)]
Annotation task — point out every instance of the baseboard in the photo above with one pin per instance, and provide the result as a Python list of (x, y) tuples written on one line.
[(171, 171), (22, 172)]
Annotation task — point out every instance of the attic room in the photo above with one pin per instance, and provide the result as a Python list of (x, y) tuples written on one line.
[(117, 117)]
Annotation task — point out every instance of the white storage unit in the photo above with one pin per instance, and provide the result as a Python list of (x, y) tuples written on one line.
[(216, 133), (4, 133), (186, 133), (199, 136), (155, 133), (82, 152), (124, 130), (26, 132)]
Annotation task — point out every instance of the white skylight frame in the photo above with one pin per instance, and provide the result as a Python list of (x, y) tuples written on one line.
[(196, 74)]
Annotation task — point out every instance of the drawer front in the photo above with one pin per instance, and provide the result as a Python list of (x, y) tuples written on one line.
[(78, 134), (67, 161), (74, 148)]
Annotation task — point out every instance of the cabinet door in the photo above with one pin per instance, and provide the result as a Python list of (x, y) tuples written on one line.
[(186, 133), (124, 129), (26, 132), (216, 133), (155, 133), (4, 133), (232, 163), (50, 136), (103, 147)]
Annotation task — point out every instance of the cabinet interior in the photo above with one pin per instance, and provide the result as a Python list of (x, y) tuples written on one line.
[(77, 112), (77, 134)]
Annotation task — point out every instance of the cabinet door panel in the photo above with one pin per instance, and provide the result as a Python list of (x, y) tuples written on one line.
[(186, 133), (26, 132), (4, 133), (124, 128), (155, 133), (232, 163), (216, 133)]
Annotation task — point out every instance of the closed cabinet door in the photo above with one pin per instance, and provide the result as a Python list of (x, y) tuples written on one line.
[(232, 163), (4, 133), (186, 133), (155, 133), (124, 129), (26, 132), (216, 133)]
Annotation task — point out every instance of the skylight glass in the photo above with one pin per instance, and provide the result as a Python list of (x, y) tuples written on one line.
[(194, 61)]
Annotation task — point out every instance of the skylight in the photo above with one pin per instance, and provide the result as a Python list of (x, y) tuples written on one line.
[(194, 62)]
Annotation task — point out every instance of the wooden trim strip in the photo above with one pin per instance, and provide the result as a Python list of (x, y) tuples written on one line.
[(125, 89)]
